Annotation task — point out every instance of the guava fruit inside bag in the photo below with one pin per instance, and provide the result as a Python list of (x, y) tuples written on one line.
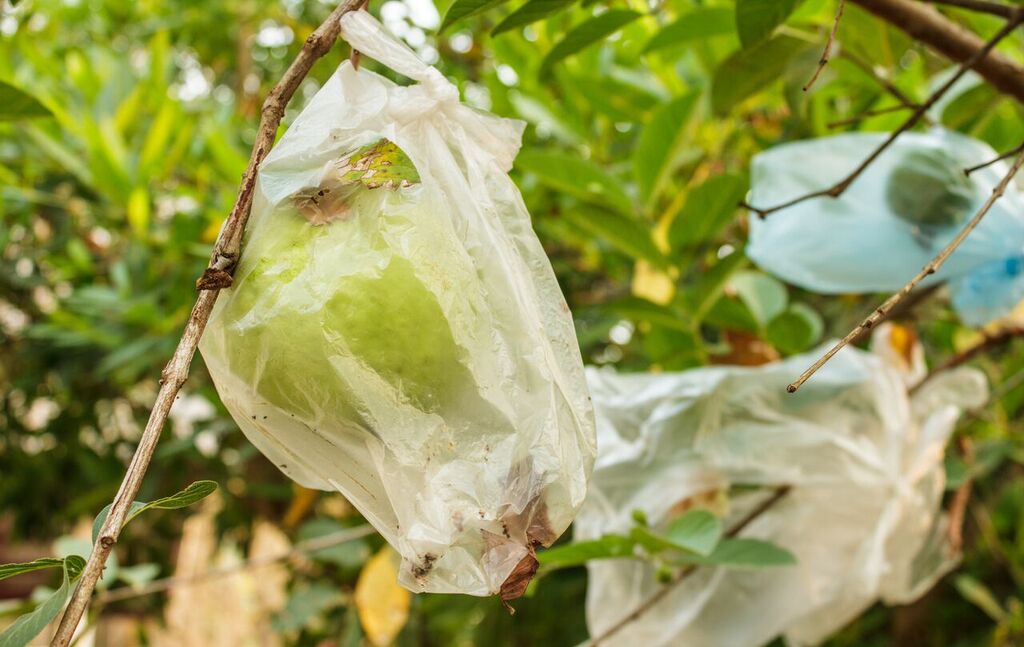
[(395, 331), (905, 207)]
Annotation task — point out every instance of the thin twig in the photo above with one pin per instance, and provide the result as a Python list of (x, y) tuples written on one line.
[(827, 52), (838, 188), (883, 81), (962, 496), (301, 548), (988, 341), (930, 268), (981, 6), (1006, 155), (216, 276), (661, 593), (925, 24), (869, 113)]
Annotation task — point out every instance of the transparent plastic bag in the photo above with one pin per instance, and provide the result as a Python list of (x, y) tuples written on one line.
[(395, 331), (892, 220), (864, 461)]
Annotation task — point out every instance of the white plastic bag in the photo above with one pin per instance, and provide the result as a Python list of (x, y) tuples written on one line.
[(864, 461), (860, 243), (395, 331)]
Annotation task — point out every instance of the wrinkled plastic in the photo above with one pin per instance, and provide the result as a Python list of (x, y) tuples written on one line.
[(865, 463), (405, 342), (868, 240)]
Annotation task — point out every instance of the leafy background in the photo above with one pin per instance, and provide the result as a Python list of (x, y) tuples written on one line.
[(642, 120)]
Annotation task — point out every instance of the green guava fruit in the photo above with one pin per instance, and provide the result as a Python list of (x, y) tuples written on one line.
[(309, 297), (929, 190)]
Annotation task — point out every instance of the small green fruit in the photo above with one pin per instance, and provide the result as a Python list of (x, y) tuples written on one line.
[(929, 190)]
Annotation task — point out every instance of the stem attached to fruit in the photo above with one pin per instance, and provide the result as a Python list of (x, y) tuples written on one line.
[(216, 277)]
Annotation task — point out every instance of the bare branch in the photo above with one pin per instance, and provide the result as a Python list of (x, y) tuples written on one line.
[(301, 548), (958, 506), (216, 276), (981, 6), (660, 594), (926, 24), (1005, 155), (868, 113), (988, 342), (827, 52), (930, 268), (840, 187)]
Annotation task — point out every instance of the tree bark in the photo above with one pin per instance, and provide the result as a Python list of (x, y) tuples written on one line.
[(927, 25)]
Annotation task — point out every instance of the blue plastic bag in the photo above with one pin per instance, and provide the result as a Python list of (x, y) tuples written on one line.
[(892, 220)]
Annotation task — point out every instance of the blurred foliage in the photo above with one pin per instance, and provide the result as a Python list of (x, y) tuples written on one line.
[(643, 118)]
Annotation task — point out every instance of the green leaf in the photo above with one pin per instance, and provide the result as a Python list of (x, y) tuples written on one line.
[(709, 285), (757, 19), (741, 553), (795, 329), (980, 596), (577, 553), (764, 296), (658, 144), (698, 531), (15, 103), (638, 309), (30, 625), (192, 494), (530, 12), (699, 24), (10, 570), (464, 8), (628, 235), (709, 208), (587, 33), (577, 177), (748, 71)]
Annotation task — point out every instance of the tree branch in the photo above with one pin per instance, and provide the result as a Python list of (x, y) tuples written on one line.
[(988, 342), (216, 276), (660, 594), (927, 25), (981, 6), (930, 268), (840, 187), (827, 52)]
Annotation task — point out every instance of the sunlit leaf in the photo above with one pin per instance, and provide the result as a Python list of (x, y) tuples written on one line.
[(27, 627), (464, 8), (575, 176), (10, 570), (194, 493), (757, 19), (530, 12), (586, 34), (709, 207), (699, 24), (753, 69), (16, 103), (697, 530), (581, 552), (740, 553), (764, 295), (627, 234), (383, 605), (658, 143)]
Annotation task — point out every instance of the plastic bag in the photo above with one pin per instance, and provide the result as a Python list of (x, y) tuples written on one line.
[(864, 461), (395, 331), (892, 220)]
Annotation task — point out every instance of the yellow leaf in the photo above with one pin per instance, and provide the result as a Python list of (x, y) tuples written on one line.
[(651, 284), (382, 604), (138, 210), (212, 231)]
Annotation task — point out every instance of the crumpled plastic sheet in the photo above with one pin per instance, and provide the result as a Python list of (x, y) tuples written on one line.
[(864, 461), (413, 350), (856, 243)]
